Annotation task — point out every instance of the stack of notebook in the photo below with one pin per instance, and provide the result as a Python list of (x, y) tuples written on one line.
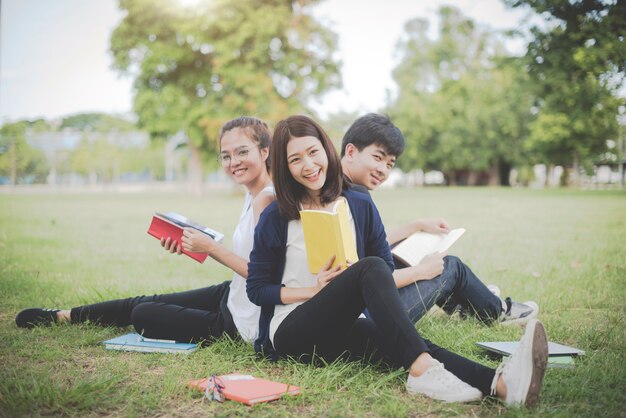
[(558, 355)]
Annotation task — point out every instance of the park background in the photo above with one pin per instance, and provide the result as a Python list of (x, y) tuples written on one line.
[(110, 111)]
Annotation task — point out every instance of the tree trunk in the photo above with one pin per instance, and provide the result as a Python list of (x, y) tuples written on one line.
[(451, 175), (549, 174), (14, 162), (494, 175), (573, 179), (195, 168), (504, 174), (472, 178)]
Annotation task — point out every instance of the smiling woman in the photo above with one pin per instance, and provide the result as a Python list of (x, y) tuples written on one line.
[(199, 315), (310, 170), (308, 164), (305, 315)]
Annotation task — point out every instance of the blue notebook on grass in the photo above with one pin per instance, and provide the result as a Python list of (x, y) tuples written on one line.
[(135, 342)]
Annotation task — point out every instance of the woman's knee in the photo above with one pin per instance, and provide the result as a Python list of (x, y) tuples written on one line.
[(373, 263), (375, 268), (141, 314)]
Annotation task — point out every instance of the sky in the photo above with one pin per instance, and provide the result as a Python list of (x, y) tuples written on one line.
[(54, 58)]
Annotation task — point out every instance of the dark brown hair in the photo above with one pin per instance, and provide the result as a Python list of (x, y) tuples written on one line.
[(255, 129), (289, 193)]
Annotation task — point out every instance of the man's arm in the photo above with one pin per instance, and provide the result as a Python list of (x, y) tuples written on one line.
[(430, 267), (432, 225)]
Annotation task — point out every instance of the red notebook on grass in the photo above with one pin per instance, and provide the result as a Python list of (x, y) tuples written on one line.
[(248, 389), (171, 225)]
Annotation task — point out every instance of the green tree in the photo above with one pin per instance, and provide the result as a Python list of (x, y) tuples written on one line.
[(196, 68), (336, 124), (97, 122), (576, 62), (96, 158), (461, 101), (18, 160)]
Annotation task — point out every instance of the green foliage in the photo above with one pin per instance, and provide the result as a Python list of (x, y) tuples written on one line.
[(18, 160), (576, 63), (196, 68), (102, 161), (535, 245), (97, 122), (95, 158), (336, 125), (461, 101)]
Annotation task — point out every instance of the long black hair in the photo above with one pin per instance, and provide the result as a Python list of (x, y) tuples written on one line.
[(289, 193)]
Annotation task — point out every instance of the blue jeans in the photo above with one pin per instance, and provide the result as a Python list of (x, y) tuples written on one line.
[(456, 286)]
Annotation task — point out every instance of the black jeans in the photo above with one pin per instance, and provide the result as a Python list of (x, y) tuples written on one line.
[(328, 326), (194, 315), (456, 286)]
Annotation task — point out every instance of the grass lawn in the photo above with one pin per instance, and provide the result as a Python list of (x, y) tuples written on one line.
[(564, 249)]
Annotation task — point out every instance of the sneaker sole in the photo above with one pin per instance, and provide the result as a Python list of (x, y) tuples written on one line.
[(540, 363), (453, 398)]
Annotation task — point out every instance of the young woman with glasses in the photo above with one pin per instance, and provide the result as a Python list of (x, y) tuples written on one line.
[(206, 313), (306, 315)]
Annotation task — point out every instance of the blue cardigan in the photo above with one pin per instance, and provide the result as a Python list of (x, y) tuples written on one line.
[(267, 259)]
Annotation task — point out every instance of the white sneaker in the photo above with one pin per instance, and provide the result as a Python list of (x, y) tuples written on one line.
[(438, 383), (517, 313), (523, 371)]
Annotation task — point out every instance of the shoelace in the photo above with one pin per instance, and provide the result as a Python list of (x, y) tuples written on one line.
[(446, 377)]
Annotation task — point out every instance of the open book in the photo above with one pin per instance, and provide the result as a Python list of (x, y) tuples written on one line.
[(412, 250), (327, 234), (248, 389), (171, 225)]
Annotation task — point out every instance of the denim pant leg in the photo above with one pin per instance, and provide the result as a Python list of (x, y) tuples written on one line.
[(457, 285), (420, 296)]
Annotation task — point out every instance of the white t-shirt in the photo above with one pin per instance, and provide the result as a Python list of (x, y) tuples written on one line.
[(245, 313), (296, 274)]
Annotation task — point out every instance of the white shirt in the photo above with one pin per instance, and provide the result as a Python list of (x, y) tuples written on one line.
[(296, 274), (245, 313)]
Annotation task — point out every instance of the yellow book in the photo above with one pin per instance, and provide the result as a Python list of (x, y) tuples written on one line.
[(327, 234)]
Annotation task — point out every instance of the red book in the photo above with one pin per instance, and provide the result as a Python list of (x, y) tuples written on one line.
[(248, 389), (171, 225)]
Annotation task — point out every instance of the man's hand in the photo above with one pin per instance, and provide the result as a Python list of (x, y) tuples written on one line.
[(431, 266), (435, 226)]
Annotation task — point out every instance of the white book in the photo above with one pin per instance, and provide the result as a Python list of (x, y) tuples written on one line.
[(412, 250)]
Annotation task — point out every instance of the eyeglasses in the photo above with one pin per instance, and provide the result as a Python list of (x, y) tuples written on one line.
[(214, 389), (240, 155)]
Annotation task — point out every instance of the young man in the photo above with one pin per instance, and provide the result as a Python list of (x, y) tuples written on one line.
[(368, 153)]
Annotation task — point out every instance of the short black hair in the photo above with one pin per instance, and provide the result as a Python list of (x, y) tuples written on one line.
[(374, 129)]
